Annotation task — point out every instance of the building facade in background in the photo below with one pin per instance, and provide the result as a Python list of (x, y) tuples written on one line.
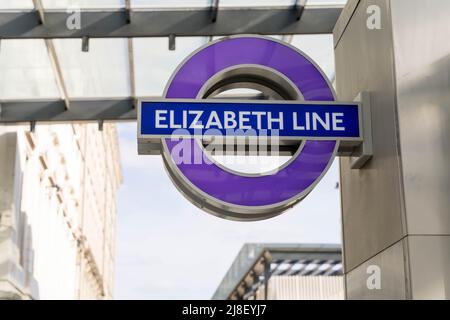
[(58, 211), (284, 272)]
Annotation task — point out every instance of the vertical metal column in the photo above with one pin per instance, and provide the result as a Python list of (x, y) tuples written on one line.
[(396, 209)]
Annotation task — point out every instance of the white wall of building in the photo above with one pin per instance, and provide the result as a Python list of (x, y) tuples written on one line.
[(58, 211)]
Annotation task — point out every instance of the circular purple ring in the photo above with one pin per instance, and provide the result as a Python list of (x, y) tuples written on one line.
[(291, 182)]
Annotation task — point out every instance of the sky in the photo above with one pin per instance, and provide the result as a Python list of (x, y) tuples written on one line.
[(169, 249)]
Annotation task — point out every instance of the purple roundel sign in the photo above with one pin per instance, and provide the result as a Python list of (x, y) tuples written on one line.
[(229, 194)]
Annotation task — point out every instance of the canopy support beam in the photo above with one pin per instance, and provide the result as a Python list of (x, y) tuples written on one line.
[(127, 22)]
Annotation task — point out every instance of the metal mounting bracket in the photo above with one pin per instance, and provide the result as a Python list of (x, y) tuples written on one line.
[(364, 151)]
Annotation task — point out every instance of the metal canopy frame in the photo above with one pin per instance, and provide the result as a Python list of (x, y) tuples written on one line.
[(126, 22), (41, 23)]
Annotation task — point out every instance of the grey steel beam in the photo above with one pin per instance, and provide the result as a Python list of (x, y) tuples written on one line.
[(55, 110), (124, 23), (93, 109)]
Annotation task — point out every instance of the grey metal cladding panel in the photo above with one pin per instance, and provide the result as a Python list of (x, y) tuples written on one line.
[(163, 22), (371, 198), (422, 54), (429, 258), (392, 276), (343, 19)]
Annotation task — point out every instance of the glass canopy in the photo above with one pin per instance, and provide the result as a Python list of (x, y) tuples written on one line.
[(40, 63)]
